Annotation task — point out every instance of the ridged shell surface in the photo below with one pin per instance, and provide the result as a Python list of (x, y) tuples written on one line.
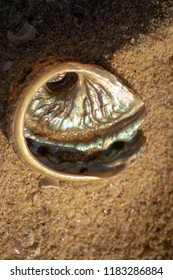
[(80, 121)]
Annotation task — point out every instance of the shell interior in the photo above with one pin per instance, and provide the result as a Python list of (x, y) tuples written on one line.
[(84, 123)]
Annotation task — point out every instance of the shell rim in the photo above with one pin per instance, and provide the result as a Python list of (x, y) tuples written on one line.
[(27, 94)]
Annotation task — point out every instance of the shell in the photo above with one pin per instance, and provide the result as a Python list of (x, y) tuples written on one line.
[(25, 34), (77, 121)]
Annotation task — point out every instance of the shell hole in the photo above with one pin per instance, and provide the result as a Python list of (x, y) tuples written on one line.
[(119, 145), (83, 170), (43, 150), (62, 84)]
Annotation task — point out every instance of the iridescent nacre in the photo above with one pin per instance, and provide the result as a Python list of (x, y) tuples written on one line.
[(76, 121)]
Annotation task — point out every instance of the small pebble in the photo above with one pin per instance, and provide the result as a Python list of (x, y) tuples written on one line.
[(132, 41), (30, 239), (25, 34), (79, 16), (17, 247), (7, 65)]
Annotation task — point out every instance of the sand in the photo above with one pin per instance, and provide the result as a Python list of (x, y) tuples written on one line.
[(129, 216)]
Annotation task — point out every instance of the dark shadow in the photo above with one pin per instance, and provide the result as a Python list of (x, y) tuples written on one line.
[(85, 30)]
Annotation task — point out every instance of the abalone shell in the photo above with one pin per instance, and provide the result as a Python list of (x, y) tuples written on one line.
[(77, 121)]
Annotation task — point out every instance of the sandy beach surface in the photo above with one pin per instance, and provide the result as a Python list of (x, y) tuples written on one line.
[(129, 216)]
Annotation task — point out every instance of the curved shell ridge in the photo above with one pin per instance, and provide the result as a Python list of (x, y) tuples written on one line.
[(92, 101), (105, 101), (109, 102), (88, 118), (95, 104), (105, 106), (57, 120)]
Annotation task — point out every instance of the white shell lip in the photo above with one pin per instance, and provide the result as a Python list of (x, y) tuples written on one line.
[(19, 117)]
